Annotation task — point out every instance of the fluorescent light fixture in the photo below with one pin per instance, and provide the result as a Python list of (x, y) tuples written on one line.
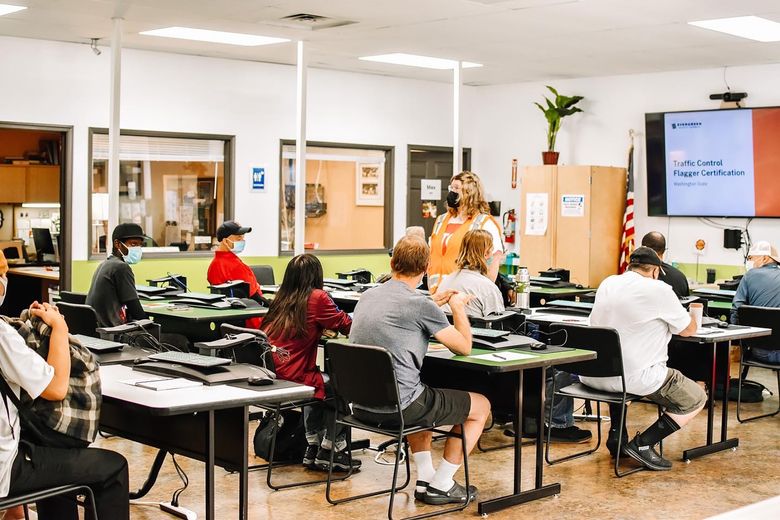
[(41, 205), (750, 27), (8, 9), (204, 35), (413, 60)]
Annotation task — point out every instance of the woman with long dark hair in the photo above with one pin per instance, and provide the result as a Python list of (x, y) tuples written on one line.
[(298, 315)]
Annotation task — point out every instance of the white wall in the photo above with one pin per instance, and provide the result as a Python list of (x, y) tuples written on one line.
[(66, 84), (504, 124)]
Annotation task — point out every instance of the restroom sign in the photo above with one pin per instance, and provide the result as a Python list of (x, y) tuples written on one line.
[(258, 178)]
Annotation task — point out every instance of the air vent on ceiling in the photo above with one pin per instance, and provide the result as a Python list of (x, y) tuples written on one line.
[(314, 22)]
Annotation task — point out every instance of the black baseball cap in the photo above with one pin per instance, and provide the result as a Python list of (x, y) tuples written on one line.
[(645, 255), (231, 227), (127, 230)]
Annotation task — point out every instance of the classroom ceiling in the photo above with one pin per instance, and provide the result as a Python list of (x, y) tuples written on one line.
[(516, 40)]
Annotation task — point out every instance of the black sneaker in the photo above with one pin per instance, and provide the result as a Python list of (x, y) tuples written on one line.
[(572, 434), (647, 456), (420, 495), (340, 461), (456, 494), (310, 456)]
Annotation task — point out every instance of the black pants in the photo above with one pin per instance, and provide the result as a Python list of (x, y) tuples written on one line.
[(105, 472)]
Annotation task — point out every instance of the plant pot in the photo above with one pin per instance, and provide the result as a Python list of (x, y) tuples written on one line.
[(549, 157)]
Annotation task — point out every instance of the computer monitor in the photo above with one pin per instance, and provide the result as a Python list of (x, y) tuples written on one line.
[(44, 245)]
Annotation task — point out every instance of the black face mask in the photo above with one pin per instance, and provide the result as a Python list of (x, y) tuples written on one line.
[(453, 200)]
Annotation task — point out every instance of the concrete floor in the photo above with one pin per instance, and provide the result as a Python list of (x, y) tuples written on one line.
[(707, 486)]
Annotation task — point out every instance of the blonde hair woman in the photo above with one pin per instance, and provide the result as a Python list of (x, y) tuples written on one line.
[(477, 268), (467, 211)]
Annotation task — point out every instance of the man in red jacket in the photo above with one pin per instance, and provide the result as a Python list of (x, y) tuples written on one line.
[(227, 266)]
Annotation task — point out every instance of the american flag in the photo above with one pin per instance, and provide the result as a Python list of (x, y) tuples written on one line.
[(627, 240)]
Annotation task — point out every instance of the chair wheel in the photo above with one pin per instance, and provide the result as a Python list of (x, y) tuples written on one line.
[(687, 461)]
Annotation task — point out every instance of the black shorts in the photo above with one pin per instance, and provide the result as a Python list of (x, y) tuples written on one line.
[(433, 407)]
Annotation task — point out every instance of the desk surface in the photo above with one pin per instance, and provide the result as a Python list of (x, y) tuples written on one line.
[(560, 290), (164, 308), (718, 305), (537, 359), (36, 272), (194, 399)]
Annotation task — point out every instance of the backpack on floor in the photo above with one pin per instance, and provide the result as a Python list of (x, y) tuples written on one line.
[(752, 391), (290, 437)]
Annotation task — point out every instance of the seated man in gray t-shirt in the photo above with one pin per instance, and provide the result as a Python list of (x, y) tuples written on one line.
[(395, 316)]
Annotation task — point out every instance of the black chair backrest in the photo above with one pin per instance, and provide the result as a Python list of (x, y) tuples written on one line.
[(81, 319), (604, 341), (73, 297), (264, 274), (252, 353), (362, 375), (767, 317)]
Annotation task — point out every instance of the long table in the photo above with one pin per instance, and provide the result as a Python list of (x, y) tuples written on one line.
[(197, 323), (443, 362), (718, 340), (206, 423)]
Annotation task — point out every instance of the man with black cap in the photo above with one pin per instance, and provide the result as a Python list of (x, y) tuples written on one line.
[(646, 313), (227, 266), (669, 274), (112, 293)]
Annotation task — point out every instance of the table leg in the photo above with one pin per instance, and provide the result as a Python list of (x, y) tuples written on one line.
[(210, 465), (725, 443), (243, 488), (539, 491)]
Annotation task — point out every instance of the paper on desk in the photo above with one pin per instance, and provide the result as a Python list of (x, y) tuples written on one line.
[(169, 384), (503, 356)]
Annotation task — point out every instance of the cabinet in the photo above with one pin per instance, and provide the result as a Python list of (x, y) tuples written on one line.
[(583, 238), (34, 183)]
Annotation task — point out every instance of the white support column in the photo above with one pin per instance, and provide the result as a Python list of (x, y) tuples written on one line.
[(113, 128), (300, 150), (457, 149)]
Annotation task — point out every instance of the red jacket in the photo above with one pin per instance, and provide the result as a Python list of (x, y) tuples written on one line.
[(226, 266), (301, 367)]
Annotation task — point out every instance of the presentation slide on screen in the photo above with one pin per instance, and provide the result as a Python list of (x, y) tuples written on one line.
[(723, 162)]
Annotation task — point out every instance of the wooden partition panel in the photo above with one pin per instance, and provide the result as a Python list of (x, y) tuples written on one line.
[(572, 237)]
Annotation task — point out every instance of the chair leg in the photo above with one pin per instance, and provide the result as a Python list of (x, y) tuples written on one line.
[(619, 473), (742, 375), (579, 454)]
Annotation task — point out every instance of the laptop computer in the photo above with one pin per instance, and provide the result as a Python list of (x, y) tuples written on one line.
[(504, 342)]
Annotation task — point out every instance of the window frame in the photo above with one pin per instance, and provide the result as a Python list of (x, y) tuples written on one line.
[(389, 189), (229, 180)]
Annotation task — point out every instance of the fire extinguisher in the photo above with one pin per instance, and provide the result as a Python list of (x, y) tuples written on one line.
[(510, 220)]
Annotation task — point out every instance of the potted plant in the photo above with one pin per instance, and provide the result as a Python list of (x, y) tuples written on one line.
[(556, 110)]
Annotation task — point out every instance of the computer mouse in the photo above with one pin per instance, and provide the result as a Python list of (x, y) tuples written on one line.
[(237, 304), (259, 381), (538, 346), (723, 324)]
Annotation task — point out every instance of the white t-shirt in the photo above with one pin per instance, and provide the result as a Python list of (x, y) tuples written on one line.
[(487, 298), (645, 313), (21, 367)]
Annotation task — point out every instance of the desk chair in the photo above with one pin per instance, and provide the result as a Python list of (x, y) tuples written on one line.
[(81, 318), (28, 498), (264, 274), (73, 297), (364, 376), (608, 363), (769, 318), (13, 250)]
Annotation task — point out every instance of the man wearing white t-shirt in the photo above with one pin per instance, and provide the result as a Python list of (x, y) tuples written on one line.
[(25, 467), (646, 313)]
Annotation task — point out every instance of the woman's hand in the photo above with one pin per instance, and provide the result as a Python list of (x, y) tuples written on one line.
[(49, 314)]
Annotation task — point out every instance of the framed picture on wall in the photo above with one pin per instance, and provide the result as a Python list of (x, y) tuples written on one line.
[(370, 184)]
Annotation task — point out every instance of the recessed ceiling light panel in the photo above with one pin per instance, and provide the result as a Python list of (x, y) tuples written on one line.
[(414, 60), (205, 35), (750, 27), (8, 9)]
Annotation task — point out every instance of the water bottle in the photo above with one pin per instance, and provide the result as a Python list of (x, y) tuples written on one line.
[(523, 288)]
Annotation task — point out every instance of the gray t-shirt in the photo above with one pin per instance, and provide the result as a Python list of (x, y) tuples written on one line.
[(113, 286), (400, 319), (487, 298)]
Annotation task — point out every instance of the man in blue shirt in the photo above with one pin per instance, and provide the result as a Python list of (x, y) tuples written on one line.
[(760, 287)]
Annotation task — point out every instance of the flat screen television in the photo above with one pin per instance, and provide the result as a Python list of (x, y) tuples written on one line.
[(714, 163)]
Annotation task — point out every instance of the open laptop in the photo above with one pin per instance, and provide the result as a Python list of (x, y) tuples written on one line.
[(502, 342)]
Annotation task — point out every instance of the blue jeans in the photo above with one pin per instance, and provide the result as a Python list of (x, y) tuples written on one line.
[(765, 356), (562, 415)]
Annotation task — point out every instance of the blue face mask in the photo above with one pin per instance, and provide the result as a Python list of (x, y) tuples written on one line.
[(489, 260), (238, 246), (133, 255)]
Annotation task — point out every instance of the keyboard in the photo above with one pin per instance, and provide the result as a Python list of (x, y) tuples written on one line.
[(488, 333), (98, 345), (190, 359)]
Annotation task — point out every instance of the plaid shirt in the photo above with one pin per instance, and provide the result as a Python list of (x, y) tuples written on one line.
[(78, 414)]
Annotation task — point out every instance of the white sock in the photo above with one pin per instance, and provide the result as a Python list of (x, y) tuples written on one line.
[(424, 464), (442, 480)]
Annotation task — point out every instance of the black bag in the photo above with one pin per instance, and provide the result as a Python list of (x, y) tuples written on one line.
[(752, 392), (290, 437)]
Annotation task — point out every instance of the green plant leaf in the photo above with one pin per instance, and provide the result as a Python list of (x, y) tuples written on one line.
[(556, 110)]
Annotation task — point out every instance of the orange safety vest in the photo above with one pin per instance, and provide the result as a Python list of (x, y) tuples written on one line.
[(442, 262)]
